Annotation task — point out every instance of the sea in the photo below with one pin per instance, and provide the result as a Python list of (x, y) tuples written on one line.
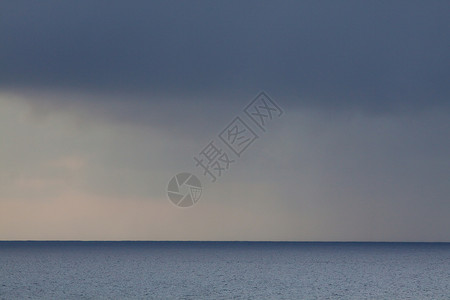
[(224, 270)]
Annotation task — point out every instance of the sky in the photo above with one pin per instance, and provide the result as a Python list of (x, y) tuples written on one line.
[(103, 102)]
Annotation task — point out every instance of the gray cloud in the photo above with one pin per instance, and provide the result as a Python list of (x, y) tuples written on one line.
[(379, 56)]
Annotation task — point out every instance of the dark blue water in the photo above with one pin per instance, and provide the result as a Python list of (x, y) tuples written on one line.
[(224, 270)]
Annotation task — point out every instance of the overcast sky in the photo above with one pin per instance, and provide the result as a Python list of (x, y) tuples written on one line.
[(102, 102)]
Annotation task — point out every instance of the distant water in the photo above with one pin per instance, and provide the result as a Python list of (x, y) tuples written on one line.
[(223, 270)]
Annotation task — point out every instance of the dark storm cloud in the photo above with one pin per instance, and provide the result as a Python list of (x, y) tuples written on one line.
[(374, 56)]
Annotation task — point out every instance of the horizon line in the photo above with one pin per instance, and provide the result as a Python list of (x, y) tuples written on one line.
[(222, 241)]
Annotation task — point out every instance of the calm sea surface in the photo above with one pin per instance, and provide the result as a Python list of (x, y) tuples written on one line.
[(223, 270)]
